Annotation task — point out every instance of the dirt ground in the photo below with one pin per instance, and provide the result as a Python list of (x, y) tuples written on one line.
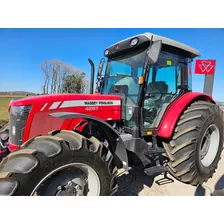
[(139, 184)]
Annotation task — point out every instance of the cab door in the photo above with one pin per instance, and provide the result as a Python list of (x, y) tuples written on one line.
[(161, 89)]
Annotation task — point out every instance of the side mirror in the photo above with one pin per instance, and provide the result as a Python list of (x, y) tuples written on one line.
[(100, 68), (99, 75), (154, 52)]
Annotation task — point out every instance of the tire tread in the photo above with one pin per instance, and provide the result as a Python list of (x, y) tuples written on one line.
[(180, 149), (59, 141)]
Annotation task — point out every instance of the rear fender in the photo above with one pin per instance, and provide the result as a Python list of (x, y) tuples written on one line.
[(176, 109), (117, 143)]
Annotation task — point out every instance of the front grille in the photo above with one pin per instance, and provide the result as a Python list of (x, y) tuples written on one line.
[(17, 122)]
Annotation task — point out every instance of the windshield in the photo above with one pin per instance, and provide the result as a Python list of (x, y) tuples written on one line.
[(122, 74)]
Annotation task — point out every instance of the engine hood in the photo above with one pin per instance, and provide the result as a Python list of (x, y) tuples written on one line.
[(61, 97)]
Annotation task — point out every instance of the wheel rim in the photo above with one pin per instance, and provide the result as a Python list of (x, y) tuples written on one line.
[(85, 183), (209, 145)]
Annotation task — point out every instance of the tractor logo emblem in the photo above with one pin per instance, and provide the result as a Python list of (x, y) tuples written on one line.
[(206, 66)]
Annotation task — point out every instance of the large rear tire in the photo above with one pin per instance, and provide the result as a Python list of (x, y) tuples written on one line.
[(64, 163), (197, 143)]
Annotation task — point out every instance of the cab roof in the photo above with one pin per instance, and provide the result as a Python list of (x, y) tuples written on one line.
[(167, 41)]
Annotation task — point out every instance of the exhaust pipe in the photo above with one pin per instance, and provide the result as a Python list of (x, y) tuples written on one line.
[(92, 75)]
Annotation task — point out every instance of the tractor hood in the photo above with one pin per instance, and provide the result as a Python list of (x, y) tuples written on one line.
[(29, 116), (88, 99)]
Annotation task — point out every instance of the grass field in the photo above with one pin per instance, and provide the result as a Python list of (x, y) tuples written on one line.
[(4, 102)]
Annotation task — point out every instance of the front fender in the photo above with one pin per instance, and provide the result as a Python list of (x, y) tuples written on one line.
[(174, 112), (119, 147)]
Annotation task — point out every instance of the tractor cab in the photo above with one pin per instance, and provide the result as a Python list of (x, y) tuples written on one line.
[(148, 72)]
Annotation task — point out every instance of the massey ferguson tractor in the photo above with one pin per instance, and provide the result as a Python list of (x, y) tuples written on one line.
[(142, 114)]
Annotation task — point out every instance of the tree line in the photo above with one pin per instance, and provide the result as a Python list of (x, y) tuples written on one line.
[(60, 77)]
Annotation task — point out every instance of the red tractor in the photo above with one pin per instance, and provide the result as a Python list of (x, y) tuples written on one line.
[(143, 114)]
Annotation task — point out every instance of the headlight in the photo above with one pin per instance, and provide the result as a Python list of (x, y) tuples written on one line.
[(20, 110), (18, 116), (134, 41)]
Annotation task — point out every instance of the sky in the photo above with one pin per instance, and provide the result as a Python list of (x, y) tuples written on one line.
[(22, 51)]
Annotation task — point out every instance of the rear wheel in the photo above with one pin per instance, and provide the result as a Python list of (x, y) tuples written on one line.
[(196, 146), (62, 164)]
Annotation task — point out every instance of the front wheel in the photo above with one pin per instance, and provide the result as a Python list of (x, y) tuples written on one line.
[(62, 164), (195, 148)]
